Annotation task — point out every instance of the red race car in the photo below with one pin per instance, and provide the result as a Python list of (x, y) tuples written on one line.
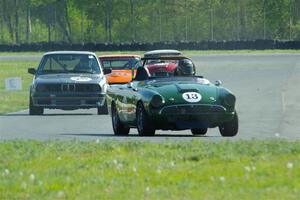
[(159, 67)]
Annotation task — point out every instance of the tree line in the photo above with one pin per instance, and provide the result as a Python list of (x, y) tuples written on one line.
[(125, 21)]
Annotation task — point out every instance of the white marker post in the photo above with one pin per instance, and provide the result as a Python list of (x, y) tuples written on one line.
[(13, 84)]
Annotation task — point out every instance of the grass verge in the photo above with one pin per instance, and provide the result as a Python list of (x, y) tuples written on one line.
[(144, 170), (15, 100)]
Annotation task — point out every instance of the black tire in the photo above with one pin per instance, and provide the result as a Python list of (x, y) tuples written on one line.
[(199, 131), (103, 109), (118, 127), (34, 110), (230, 128), (143, 124)]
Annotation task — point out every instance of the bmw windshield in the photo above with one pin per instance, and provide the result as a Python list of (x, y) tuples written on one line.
[(69, 63)]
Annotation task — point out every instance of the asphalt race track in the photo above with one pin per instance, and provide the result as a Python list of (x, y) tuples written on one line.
[(267, 87)]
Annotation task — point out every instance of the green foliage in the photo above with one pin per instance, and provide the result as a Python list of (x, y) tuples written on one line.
[(147, 21), (143, 170)]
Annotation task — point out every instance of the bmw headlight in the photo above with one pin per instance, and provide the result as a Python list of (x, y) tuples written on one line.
[(157, 101), (96, 88), (41, 88)]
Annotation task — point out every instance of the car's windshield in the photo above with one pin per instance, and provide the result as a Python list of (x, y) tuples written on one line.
[(69, 63), (120, 63), (177, 79)]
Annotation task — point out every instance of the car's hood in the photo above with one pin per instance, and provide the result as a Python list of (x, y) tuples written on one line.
[(68, 78), (173, 93), (120, 72)]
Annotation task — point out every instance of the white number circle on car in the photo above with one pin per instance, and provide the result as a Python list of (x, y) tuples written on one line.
[(81, 79), (192, 97)]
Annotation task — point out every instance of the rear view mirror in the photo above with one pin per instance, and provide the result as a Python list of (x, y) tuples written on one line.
[(32, 71), (107, 71)]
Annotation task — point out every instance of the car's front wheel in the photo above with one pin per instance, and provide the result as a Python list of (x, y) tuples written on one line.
[(34, 110), (118, 127), (230, 128), (144, 125), (102, 110), (199, 131)]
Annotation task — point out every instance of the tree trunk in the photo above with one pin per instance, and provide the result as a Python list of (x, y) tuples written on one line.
[(133, 20), (49, 23), (1, 30), (160, 23), (68, 28), (110, 7), (7, 20), (28, 21), (16, 22), (211, 23), (82, 27)]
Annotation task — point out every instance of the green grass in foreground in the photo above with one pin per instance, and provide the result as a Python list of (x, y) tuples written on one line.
[(141, 170), (15, 100)]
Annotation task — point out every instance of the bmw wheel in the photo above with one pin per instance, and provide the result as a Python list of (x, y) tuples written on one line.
[(102, 110), (34, 110), (230, 128), (118, 127), (144, 125), (199, 131)]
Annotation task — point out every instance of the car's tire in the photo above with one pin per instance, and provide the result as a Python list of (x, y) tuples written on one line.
[(199, 131), (143, 123), (34, 110), (118, 127), (102, 110), (230, 128)]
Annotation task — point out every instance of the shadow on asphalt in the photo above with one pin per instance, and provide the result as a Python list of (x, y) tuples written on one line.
[(137, 136)]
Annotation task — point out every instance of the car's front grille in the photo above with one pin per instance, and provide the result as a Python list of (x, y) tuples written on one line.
[(66, 87), (191, 109)]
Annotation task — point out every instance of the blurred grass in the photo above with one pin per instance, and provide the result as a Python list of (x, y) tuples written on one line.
[(15, 100), (144, 170)]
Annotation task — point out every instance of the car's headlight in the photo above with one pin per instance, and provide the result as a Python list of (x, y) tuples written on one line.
[(96, 88), (229, 100), (41, 88), (157, 101)]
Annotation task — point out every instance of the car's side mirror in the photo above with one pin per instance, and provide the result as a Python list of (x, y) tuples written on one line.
[(218, 83), (107, 71), (130, 85), (32, 71)]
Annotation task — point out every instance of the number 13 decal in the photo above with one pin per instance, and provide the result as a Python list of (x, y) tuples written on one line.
[(192, 97)]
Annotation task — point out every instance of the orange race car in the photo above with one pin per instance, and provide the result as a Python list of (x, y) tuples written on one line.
[(123, 67)]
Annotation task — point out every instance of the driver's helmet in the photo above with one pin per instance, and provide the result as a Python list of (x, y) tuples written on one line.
[(185, 68)]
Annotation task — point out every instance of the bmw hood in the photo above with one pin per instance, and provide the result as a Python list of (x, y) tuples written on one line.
[(68, 78)]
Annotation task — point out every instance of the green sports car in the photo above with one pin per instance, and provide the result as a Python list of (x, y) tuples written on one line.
[(171, 103)]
